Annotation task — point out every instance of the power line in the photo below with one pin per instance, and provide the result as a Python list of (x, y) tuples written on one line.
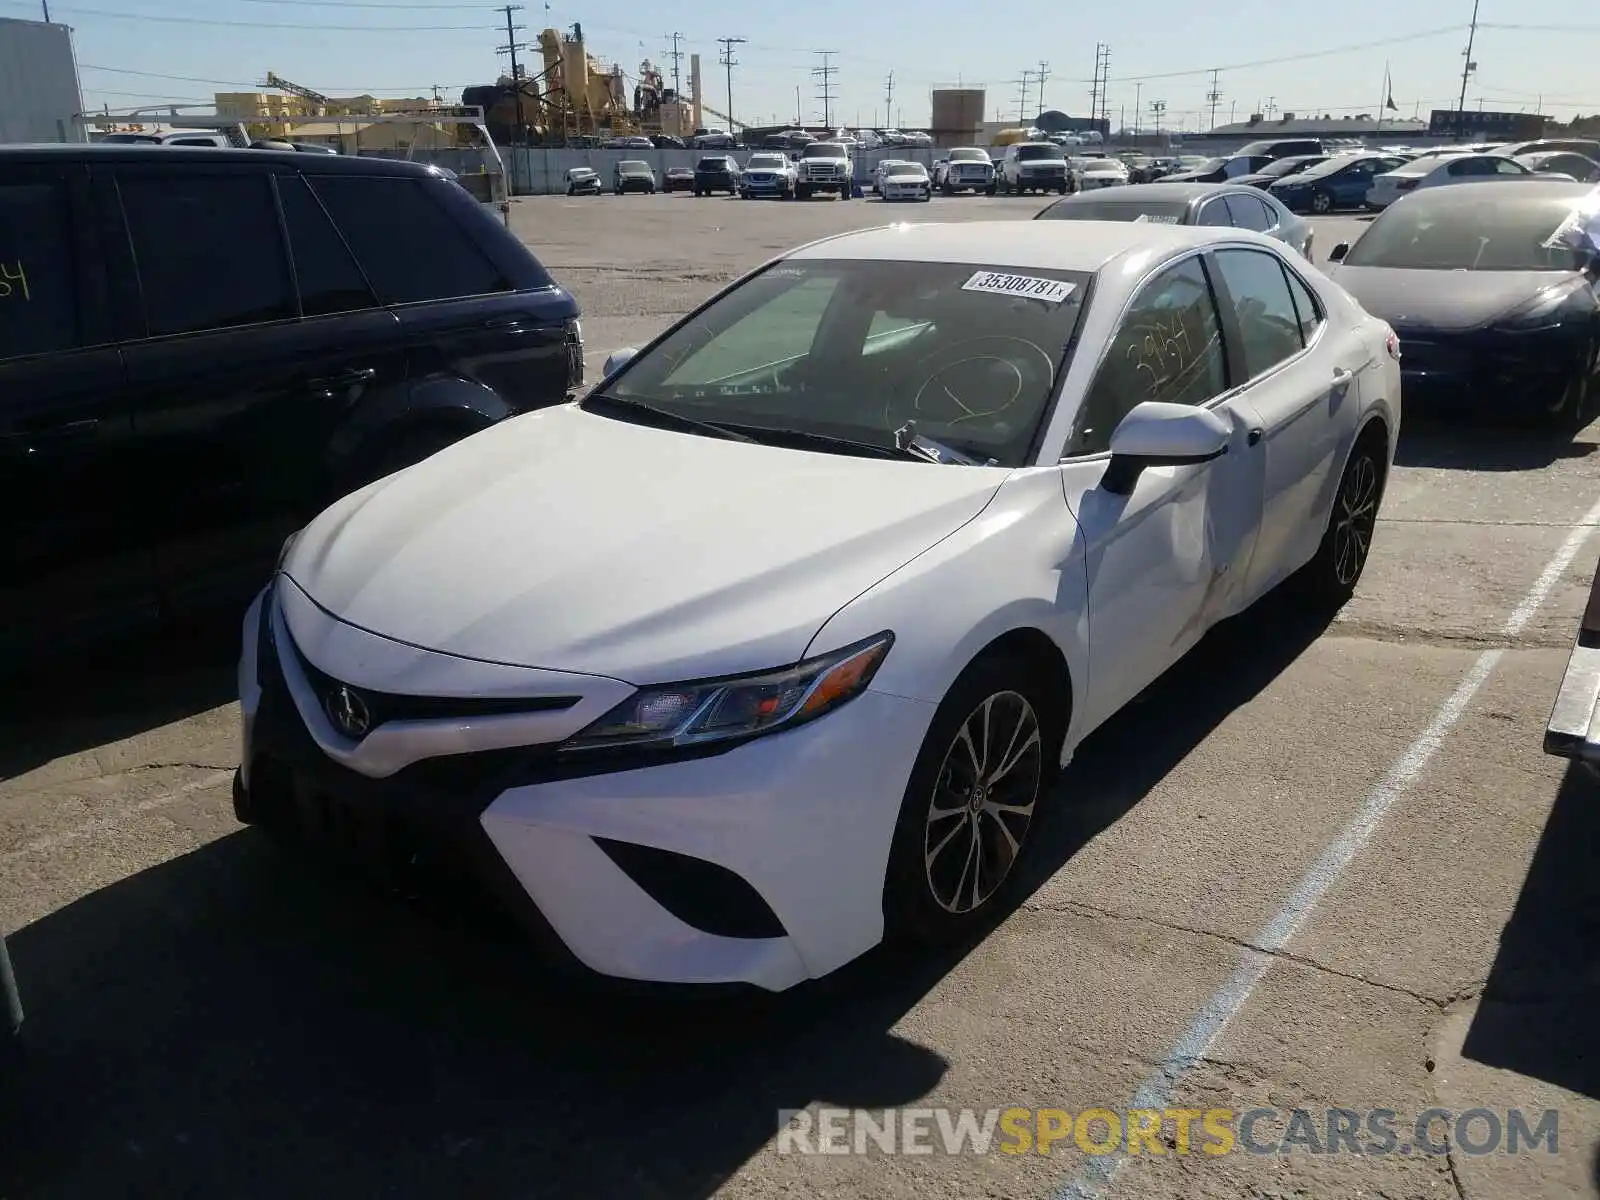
[(676, 56), (729, 62), (1213, 96), (1467, 68), (1044, 73), (1022, 96), (824, 75)]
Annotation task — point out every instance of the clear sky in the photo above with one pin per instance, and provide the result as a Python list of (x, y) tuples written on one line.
[(1276, 56)]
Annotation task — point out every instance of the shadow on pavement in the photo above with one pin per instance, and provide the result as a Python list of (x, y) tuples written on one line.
[(63, 707), (1436, 442), (239, 1022), (1537, 1015)]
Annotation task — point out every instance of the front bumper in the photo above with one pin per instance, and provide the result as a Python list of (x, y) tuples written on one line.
[(906, 191), (1488, 373), (762, 865), (775, 186)]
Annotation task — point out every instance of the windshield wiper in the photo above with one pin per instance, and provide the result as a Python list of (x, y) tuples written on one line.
[(909, 441), (825, 441), (677, 420)]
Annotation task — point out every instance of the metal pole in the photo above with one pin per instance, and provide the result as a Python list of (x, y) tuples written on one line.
[(1466, 70)]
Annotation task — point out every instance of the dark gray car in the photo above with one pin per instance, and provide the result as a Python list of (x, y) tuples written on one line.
[(1238, 205)]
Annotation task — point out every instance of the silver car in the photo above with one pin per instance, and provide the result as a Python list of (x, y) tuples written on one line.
[(1238, 205)]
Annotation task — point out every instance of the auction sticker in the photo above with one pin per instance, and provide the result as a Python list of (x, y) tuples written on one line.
[(1156, 219), (1030, 287)]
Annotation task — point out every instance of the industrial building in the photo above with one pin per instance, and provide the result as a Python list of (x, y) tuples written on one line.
[(40, 97)]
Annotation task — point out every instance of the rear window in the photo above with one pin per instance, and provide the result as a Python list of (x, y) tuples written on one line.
[(824, 150), (1156, 212), (407, 244), (1489, 234), (968, 156), (711, 164), (38, 310), (1029, 153)]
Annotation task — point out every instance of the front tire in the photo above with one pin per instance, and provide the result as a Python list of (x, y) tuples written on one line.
[(1327, 582), (1322, 203), (987, 762)]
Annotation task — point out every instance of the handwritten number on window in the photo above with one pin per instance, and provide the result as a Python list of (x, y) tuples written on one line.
[(14, 281)]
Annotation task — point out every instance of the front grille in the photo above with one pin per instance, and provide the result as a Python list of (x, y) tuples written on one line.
[(383, 707)]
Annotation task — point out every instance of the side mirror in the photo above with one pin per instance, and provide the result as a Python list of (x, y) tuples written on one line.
[(1156, 434), (616, 360), (1338, 252)]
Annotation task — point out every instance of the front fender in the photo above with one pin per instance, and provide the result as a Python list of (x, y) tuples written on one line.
[(1017, 565)]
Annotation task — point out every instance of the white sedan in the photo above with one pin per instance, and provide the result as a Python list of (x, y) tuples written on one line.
[(1099, 173), (906, 181), (1441, 170), (773, 645)]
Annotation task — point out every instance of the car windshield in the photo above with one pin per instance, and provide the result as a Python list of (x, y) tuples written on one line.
[(968, 156), (1028, 153), (1129, 208), (823, 150), (758, 161), (634, 168), (856, 348), (1209, 164), (903, 169), (711, 164), (1489, 234), (1292, 166)]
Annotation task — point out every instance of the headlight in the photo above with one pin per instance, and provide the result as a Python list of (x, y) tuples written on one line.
[(723, 710), (1547, 311)]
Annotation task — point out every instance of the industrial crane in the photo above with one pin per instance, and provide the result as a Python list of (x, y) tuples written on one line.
[(277, 83)]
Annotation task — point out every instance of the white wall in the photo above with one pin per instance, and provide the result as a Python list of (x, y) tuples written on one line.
[(39, 93)]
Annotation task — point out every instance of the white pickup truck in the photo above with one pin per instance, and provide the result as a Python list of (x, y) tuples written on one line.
[(824, 167)]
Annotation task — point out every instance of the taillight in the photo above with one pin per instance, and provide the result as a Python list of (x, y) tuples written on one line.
[(1392, 345), (574, 340), (1405, 185)]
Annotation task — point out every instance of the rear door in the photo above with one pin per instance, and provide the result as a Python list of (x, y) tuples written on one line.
[(1300, 374), (235, 384), (72, 556), (472, 316)]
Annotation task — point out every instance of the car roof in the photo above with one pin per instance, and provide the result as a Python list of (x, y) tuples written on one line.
[(1539, 188), (1158, 190), (1054, 245), (142, 152)]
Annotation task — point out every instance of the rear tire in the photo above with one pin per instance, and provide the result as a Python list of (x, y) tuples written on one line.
[(971, 803), (1326, 583)]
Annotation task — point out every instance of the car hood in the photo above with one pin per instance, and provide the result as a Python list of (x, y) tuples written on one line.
[(570, 541), (1442, 300)]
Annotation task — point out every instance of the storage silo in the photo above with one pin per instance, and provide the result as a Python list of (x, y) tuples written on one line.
[(39, 94), (957, 115)]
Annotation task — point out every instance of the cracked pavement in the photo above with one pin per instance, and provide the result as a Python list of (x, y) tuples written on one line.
[(211, 1016)]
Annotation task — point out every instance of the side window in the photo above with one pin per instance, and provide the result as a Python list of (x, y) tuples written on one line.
[(1248, 213), (1306, 307), (208, 250), (329, 280), (1269, 326), (38, 304), (1471, 166), (1505, 166), (1215, 212), (407, 243), (1169, 348)]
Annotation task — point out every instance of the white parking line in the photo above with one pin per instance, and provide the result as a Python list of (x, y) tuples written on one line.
[(89, 828), (1155, 1091)]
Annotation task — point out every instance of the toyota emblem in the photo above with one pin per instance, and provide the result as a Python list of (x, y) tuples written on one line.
[(348, 712)]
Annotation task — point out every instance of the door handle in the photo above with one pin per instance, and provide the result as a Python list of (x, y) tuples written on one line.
[(1342, 377), (503, 323), (1254, 436)]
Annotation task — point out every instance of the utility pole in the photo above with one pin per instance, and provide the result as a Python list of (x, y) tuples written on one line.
[(824, 76), (1044, 73), (676, 55), (1138, 107), (436, 96), (1467, 68), (1023, 85), (46, 11), (1105, 86), (888, 99), (1158, 107), (1213, 96), (511, 47), (729, 62), (1094, 87)]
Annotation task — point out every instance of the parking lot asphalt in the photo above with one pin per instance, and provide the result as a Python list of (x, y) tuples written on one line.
[(1312, 868)]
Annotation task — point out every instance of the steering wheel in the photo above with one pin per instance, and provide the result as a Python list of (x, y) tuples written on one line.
[(977, 379)]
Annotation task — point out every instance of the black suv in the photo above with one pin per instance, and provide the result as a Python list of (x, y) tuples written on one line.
[(200, 349), (716, 174)]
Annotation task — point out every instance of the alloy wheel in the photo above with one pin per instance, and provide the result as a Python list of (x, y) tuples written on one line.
[(983, 802), (1322, 202), (1355, 519)]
